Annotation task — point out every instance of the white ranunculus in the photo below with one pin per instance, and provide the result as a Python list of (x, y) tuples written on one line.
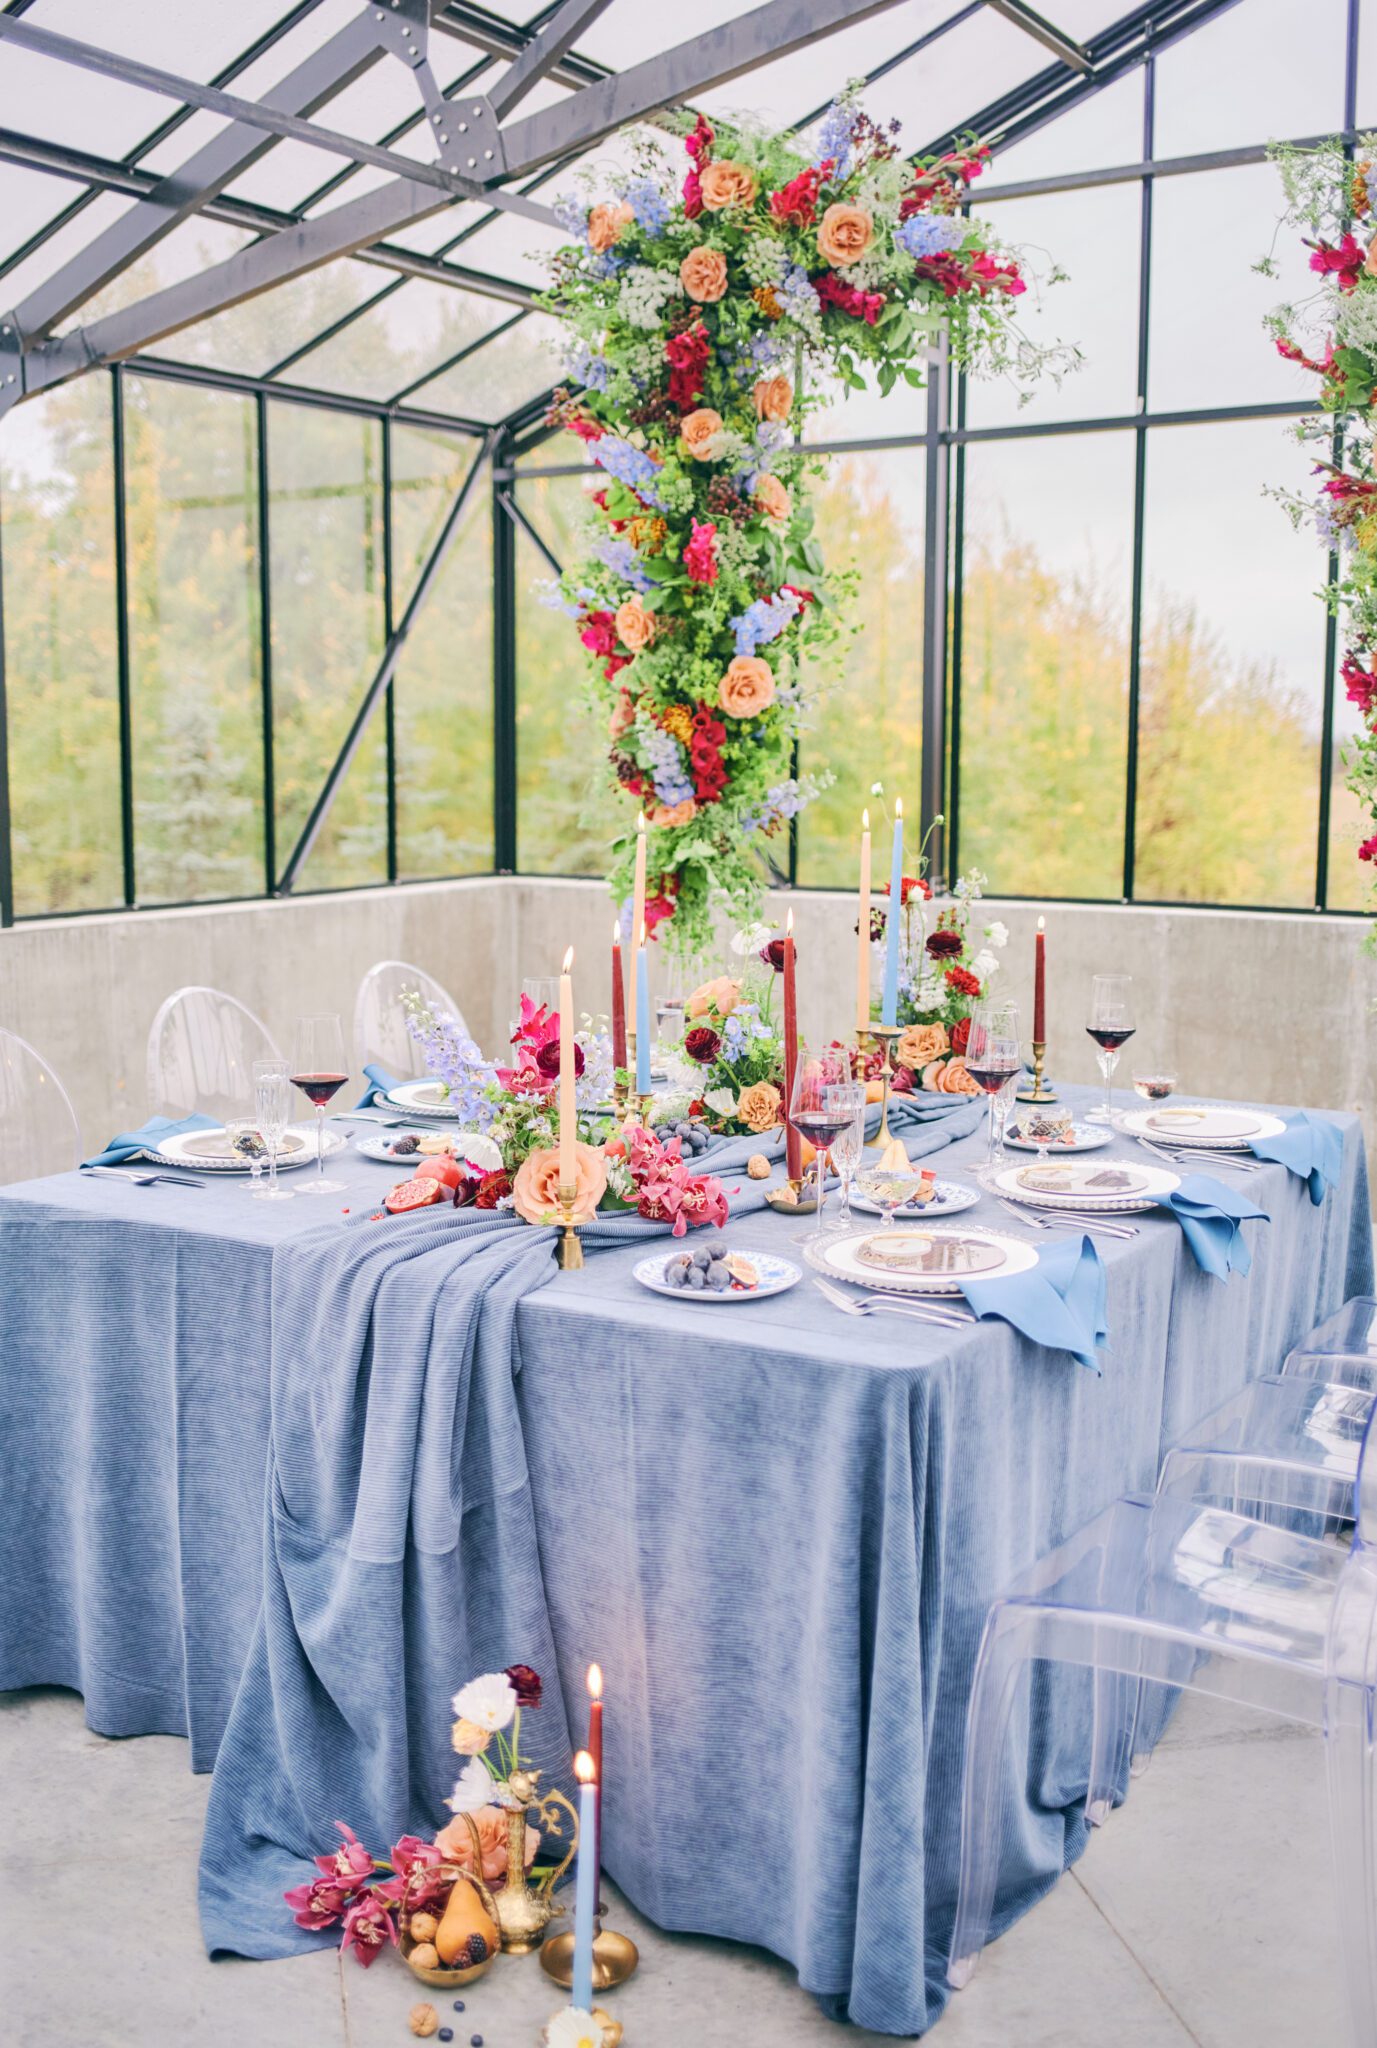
[(997, 933), (984, 964), (473, 1788), (750, 939), (489, 1702)]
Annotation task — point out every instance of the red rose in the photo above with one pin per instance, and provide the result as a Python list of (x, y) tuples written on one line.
[(963, 981), (525, 1683), (943, 944), (960, 1035), (702, 1045), (491, 1190), (1368, 850)]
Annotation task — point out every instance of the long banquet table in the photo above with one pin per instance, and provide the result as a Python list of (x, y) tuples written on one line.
[(777, 1528)]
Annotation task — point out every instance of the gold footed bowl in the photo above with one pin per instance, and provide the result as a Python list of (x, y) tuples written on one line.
[(615, 1957)]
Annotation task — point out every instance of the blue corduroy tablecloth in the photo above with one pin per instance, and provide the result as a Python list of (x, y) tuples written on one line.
[(778, 1530)]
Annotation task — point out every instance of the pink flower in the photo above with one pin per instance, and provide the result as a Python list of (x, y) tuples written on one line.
[(598, 633), (350, 1866), (368, 1927), (866, 306), (1360, 684), (700, 556), (319, 1903), (411, 1853), (668, 1192), (1343, 263), (1368, 850), (693, 196)]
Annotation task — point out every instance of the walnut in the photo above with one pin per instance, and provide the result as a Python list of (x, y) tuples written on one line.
[(423, 1926), (758, 1166), (424, 2020), (425, 1956)]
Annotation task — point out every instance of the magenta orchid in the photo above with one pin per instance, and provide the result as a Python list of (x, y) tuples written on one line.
[(351, 1865), (668, 1192), (369, 1927)]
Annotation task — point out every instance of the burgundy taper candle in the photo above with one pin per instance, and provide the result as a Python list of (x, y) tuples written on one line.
[(793, 1147), (1040, 984), (618, 1056)]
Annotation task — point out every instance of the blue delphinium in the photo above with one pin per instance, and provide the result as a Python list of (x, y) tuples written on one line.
[(930, 234), (571, 213), (616, 551), (589, 368), (779, 804), (672, 784), (452, 1056), (628, 464), (648, 202), (764, 621), (834, 138)]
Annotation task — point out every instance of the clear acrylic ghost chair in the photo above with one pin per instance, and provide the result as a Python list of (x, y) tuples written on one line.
[(201, 1051), (39, 1132), (1195, 1597), (380, 1034), (1342, 1350)]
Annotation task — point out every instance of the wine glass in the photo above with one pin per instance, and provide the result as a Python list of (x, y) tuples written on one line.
[(319, 1070), (1110, 1024), (246, 1145), (820, 1108), (671, 995), (992, 1059), (272, 1105), (847, 1147)]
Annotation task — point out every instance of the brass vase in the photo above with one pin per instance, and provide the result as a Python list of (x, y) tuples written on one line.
[(522, 1910)]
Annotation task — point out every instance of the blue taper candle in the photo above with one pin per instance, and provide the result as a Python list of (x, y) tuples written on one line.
[(889, 1008), (642, 1017), (586, 1893)]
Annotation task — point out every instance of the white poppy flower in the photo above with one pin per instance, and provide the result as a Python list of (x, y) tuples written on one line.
[(722, 1101), (472, 1790), (750, 939), (997, 933), (489, 1702), (984, 964), (571, 2028)]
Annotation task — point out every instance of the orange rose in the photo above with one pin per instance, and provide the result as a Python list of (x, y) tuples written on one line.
[(668, 815), (703, 434), (773, 499), (623, 717), (844, 234), (491, 1822), (953, 1079), (747, 687), (535, 1191), (774, 399), (703, 274), (724, 184), (919, 1043), (721, 995), (608, 223), (1370, 260), (635, 625), (759, 1106)]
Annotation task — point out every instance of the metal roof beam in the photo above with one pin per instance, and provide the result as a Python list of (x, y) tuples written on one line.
[(548, 44), (1045, 32)]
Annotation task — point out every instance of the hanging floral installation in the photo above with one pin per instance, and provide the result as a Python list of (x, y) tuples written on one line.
[(705, 323), (1331, 200)]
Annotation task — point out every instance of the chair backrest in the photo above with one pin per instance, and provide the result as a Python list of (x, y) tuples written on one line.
[(39, 1132), (201, 1051), (1365, 1489), (380, 1034)]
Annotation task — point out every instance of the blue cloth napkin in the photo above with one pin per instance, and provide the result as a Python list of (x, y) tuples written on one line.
[(1311, 1147), (1060, 1303), (150, 1137), (380, 1083), (1209, 1214)]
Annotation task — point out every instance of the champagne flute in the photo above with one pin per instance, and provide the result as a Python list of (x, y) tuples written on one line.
[(272, 1105), (1110, 1024), (847, 1148), (820, 1108), (319, 1070), (992, 1059)]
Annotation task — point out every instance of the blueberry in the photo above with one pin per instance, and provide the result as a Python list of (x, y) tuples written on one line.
[(458, 2005), (697, 1277), (445, 2034), (475, 2041)]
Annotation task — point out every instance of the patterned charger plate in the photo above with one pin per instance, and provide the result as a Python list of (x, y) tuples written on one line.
[(423, 1098), (953, 1257), (1218, 1125), (1111, 1187), (209, 1151)]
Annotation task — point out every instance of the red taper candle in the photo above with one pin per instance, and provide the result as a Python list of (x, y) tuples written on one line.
[(1040, 983), (594, 1748), (618, 1034), (793, 1147)]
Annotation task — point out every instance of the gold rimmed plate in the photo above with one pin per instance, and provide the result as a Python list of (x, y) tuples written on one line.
[(939, 1260)]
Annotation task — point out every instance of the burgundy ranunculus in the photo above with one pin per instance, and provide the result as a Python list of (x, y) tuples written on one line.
[(525, 1683), (702, 1045), (547, 1059), (901, 1081), (773, 955), (943, 944), (877, 925), (491, 1190)]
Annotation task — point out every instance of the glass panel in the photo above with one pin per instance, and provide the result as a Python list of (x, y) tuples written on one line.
[(443, 688), (1094, 236), (259, 333), (192, 511), (513, 368), (40, 96), (946, 84), (513, 247), (28, 200), (867, 415), (1265, 68), (186, 252), (399, 339), (1207, 346), (196, 41), (565, 813), (1232, 672), (325, 529), (1105, 130), (65, 242), (61, 668), (790, 88), (869, 511), (1044, 663)]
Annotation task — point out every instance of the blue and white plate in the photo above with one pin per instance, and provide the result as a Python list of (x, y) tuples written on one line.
[(776, 1276), (1083, 1138), (950, 1197), (470, 1145)]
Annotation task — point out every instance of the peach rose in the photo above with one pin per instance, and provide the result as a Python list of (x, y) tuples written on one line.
[(535, 1191), (668, 815), (844, 234), (953, 1079), (1370, 260), (635, 625), (774, 399), (703, 434), (772, 499), (491, 1822), (469, 1739), (759, 1106), (703, 274), (608, 223), (623, 717), (725, 183), (721, 995), (747, 687), (920, 1043)]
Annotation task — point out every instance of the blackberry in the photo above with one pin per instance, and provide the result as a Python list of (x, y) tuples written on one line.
[(477, 1950)]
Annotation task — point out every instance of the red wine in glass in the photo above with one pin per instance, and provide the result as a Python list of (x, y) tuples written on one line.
[(1111, 1039), (819, 1126), (991, 1076), (320, 1068), (318, 1088)]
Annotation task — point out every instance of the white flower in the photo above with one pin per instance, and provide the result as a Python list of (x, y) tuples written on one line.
[(571, 2028), (750, 939), (722, 1101), (877, 789), (984, 964), (997, 933), (488, 1702), (473, 1788)]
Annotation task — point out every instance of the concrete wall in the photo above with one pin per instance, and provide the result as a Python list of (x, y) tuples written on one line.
[(1271, 1008)]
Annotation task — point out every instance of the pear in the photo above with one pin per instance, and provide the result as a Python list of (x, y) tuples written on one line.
[(464, 1916)]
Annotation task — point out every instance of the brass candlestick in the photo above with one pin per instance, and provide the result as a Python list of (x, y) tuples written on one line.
[(1039, 1092), (887, 1034), (615, 1957), (568, 1252)]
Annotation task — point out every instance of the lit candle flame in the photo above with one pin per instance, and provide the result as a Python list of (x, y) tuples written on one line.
[(898, 807), (640, 821), (865, 821), (568, 961), (789, 925), (617, 932), (585, 1770), (595, 1680), (1042, 924), (643, 932)]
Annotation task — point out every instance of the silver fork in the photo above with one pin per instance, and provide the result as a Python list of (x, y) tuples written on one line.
[(142, 1177), (942, 1317), (1096, 1225), (1185, 1155)]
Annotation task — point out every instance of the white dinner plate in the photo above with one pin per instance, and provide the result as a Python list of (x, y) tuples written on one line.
[(426, 1098), (1084, 1138), (1140, 1187), (470, 1145), (1215, 1124), (776, 1276), (949, 1199), (209, 1151), (838, 1257)]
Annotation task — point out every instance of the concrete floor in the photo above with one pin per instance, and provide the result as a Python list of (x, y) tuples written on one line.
[(1199, 1915)]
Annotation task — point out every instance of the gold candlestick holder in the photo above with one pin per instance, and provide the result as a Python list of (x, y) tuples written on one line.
[(1039, 1092), (887, 1035), (568, 1252), (615, 1957)]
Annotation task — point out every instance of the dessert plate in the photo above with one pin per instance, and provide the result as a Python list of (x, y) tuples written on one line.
[(923, 1261), (1086, 1185), (470, 1145), (949, 1198), (1083, 1138), (1203, 1123), (423, 1098)]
